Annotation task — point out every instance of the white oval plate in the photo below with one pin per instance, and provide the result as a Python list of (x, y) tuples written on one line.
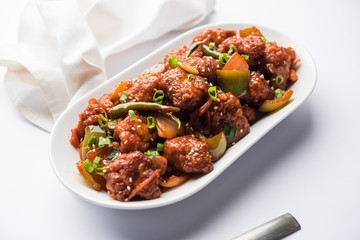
[(63, 156)]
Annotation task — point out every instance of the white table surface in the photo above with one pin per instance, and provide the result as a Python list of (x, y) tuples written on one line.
[(309, 165)]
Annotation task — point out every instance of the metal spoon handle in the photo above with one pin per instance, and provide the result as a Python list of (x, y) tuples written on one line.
[(275, 229)]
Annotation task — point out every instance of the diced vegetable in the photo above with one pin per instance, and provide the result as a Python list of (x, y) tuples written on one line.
[(209, 52), (115, 95), (121, 110), (271, 105), (168, 127), (160, 163), (91, 132), (87, 176), (217, 146), (173, 180), (250, 31), (235, 82), (236, 62), (194, 46)]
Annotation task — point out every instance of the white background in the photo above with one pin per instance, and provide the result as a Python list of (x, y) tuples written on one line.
[(309, 165)]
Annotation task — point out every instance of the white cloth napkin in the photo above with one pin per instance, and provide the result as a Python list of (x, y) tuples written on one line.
[(62, 46)]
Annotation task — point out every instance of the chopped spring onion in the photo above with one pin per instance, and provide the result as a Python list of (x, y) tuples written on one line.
[(151, 122), (212, 45), (264, 39), (153, 78), (278, 93), (190, 77), (109, 124), (213, 92), (102, 119), (96, 161), (230, 131), (172, 60), (92, 141), (206, 79), (113, 154), (158, 96), (246, 57), (132, 115), (233, 49), (279, 80), (151, 154), (160, 147), (124, 96), (88, 166), (104, 141), (223, 58)]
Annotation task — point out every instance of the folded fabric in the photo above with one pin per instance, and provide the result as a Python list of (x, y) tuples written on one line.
[(62, 46)]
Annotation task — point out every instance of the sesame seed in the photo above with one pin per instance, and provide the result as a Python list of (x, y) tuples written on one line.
[(221, 114), (130, 179), (196, 154), (126, 141), (233, 143), (128, 188), (241, 130), (203, 70), (216, 107), (133, 128)]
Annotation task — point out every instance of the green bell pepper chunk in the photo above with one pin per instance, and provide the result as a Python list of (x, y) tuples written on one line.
[(121, 110), (234, 81), (91, 132)]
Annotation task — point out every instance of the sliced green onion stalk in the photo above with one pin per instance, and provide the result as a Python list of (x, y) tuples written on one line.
[(223, 58), (153, 78), (190, 77), (206, 79), (102, 119), (151, 154), (233, 49), (104, 141), (264, 39), (230, 131), (213, 92), (246, 57), (160, 147), (151, 122), (172, 60), (278, 93), (113, 154), (212, 45), (158, 96), (132, 115), (124, 96), (88, 166), (96, 161), (279, 80)]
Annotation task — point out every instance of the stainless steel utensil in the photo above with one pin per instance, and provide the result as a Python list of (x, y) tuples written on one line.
[(275, 229)]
